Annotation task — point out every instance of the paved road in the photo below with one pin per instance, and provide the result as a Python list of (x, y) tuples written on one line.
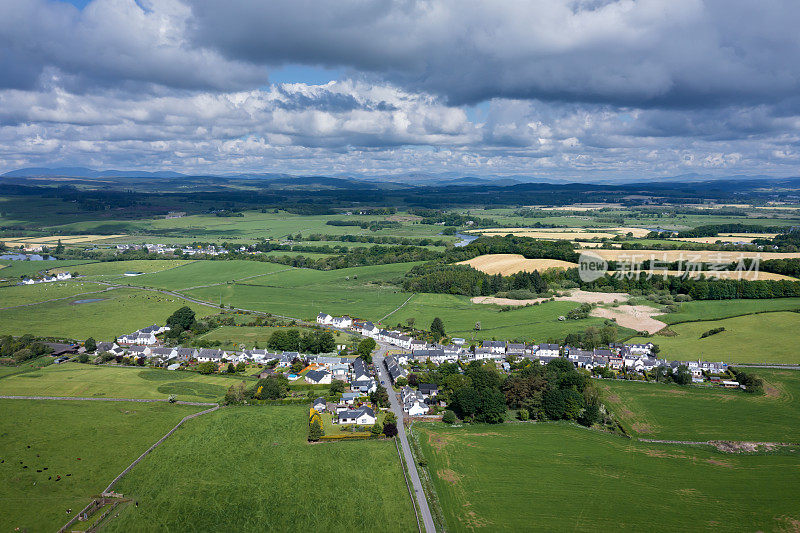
[(427, 519)]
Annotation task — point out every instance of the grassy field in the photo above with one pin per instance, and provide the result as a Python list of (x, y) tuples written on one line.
[(16, 269), (106, 436), (90, 381), (251, 469), (300, 293), (534, 323), (717, 309), (553, 477), (233, 336), (121, 311), (758, 338), (199, 273), (657, 411), (40, 292), (115, 270)]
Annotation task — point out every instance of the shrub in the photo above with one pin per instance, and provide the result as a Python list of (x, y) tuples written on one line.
[(449, 417)]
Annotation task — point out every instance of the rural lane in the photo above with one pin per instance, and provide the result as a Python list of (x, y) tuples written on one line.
[(424, 510)]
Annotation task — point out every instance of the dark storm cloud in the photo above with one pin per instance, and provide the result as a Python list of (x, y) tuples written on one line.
[(676, 53)]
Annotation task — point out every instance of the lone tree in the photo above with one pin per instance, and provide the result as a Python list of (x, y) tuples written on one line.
[(90, 345), (315, 430), (437, 327), (365, 348), (182, 319), (390, 429)]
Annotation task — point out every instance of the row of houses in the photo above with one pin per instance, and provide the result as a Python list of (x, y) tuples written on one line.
[(61, 276), (166, 249), (144, 337), (337, 322)]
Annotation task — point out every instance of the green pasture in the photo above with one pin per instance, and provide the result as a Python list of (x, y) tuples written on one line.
[(86, 443), (233, 336), (121, 311), (115, 270), (717, 309), (41, 292), (303, 293), (554, 477), (534, 323), (251, 469), (91, 381), (17, 269), (757, 338), (695, 413), (200, 273)]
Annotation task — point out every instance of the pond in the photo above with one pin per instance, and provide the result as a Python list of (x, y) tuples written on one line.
[(88, 301), (465, 239)]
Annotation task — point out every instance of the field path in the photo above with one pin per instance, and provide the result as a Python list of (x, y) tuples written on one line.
[(398, 308)]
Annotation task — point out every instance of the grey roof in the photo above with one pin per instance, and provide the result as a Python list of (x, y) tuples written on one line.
[(150, 329), (355, 413), (319, 400), (549, 346), (316, 375), (161, 351), (494, 344), (210, 353), (428, 387)]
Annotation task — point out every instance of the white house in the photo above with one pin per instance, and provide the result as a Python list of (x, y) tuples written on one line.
[(496, 347), (416, 408), (547, 350), (324, 318), (363, 416), (319, 404), (342, 322)]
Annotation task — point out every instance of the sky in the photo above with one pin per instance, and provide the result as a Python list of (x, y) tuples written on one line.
[(566, 89)]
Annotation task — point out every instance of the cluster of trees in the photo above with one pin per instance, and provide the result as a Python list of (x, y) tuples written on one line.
[(556, 391), (787, 267), (463, 279), (448, 218), (377, 239), (181, 320), (311, 341), (20, 349), (712, 230), (373, 225), (752, 384), (712, 332), (365, 348), (593, 337)]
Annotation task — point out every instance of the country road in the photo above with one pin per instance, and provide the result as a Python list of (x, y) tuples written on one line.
[(425, 511)]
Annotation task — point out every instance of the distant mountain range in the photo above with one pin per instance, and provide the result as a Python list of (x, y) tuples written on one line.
[(342, 179)]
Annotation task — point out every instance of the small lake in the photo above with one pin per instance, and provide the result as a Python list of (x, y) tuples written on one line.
[(24, 257), (465, 239), (88, 301)]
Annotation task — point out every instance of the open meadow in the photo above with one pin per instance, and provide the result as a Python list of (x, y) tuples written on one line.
[(251, 469), (459, 314), (41, 292), (115, 313), (695, 413), (558, 477), (755, 338), (86, 444), (103, 381), (706, 310), (303, 293)]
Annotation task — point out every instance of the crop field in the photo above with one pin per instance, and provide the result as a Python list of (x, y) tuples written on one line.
[(247, 469), (90, 381), (359, 292), (557, 477), (87, 444), (710, 256), (758, 338), (534, 323), (506, 264), (233, 336), (718, 309), (118, 312), (40, 292), (658, 411)]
